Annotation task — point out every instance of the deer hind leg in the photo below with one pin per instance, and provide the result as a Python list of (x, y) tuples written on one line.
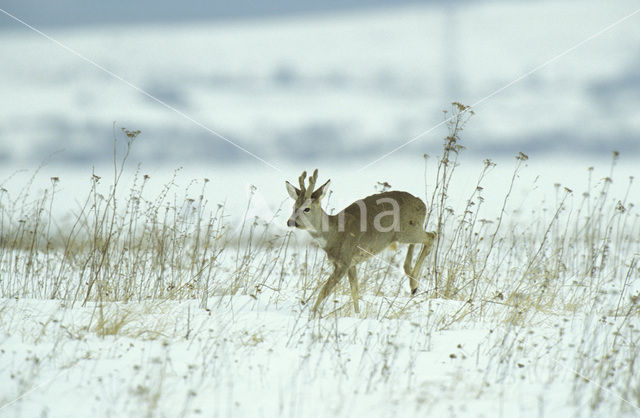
[(407, 261), (408, 269), (337, 274), (353, 283), (427, 244)]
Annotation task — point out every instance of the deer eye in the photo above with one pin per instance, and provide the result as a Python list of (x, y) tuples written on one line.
[(307, 210)]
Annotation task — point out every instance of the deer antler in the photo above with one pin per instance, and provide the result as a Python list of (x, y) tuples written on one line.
[(303, 190), (307, 191), (312, 183)]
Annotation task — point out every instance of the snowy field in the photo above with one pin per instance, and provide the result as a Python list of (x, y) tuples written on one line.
[(168, 285), (161, 303)]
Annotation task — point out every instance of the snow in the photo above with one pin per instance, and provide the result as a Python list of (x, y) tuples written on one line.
[(248, 346), (242, 361), (253, 358)]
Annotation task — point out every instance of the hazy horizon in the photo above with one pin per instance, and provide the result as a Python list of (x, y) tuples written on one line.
[(307, 87)]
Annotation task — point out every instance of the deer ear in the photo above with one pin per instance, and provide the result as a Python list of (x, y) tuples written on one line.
[(293, 191), (320, 191)]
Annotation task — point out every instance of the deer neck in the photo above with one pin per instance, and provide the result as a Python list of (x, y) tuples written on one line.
[(322, 233)]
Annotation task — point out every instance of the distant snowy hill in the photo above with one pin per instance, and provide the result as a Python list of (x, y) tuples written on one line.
[(341, 85)]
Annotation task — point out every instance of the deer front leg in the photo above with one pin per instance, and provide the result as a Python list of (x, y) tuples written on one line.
[(353, 283), (337, 274)]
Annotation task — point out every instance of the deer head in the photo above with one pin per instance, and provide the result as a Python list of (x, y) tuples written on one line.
[(307, 212)]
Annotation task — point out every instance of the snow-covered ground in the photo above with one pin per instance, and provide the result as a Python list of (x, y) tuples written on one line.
[(222, 328), (250, 357), (260, 354)]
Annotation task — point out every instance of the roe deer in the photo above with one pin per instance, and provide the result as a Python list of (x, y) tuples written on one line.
[(360, 231)]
